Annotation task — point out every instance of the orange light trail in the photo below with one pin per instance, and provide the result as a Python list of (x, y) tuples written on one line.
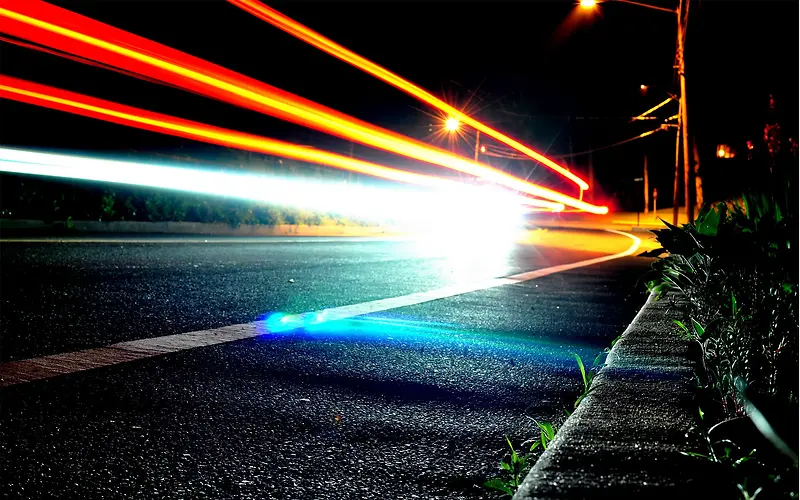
[(643, 115), (327, 45), (54, 98), (69, 32)]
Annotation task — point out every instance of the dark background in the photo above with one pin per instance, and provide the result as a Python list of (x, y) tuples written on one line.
[(560, 81)]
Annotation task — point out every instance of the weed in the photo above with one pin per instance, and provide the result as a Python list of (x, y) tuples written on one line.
[(108, 201), (515, 467), (587, 376), (547, 432)]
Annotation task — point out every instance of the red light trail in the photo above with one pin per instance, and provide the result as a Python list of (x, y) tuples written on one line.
[(327, 45), (69, 32), (54, 98)]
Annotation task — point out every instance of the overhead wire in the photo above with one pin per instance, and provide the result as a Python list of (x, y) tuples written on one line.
[(609, 146)]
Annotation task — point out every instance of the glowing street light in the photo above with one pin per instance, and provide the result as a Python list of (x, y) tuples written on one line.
[(681, 13), (452, 124), (725, 151)]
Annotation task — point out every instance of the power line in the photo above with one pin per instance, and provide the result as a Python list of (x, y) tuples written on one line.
[(640, 136)]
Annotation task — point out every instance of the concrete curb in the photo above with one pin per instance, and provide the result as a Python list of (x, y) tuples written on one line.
[(625, 438)]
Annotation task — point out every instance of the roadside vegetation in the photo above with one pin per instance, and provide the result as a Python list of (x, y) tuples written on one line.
[(735, 268), (733, 277), (515, 465)]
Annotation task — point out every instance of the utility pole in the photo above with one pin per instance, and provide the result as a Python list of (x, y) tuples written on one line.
[(591, 176), (688, 172), (682, 13), (698, 180), (477, 144), (655, 201), (677, 187), (646, 186)]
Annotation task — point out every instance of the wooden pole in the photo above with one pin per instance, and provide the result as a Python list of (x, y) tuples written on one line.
[(646, 187)]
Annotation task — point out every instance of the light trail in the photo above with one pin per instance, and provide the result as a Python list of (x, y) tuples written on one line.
[(418, 208), (50, 97), (327, 45), (69, 32), (82, 60), (644, 116)]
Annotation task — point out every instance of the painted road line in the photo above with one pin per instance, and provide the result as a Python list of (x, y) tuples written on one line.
[(27, 370)]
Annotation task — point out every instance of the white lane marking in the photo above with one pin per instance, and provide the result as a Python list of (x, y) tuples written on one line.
[(27, 370)]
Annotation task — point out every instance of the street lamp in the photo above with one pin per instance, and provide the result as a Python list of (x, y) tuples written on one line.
[(452, 124), (681, 13), (725, 151)]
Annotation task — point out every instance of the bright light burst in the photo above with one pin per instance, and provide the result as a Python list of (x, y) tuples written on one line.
[(452, 124), (408, 207)]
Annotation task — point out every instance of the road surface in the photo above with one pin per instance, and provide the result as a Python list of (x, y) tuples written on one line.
[(412, 401)]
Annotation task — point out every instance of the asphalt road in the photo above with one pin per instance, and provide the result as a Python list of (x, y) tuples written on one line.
[(412, 402)]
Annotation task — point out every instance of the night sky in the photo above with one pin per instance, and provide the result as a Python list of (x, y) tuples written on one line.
[(536, 70)]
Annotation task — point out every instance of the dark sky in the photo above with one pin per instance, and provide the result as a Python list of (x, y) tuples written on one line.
[(534, 70)]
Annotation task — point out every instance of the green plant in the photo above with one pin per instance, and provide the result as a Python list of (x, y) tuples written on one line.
[(723, 451), (754, 472), (547, 432), (695, 333), (680, 274), (587, 376), (108, 202), (735, 266), (515, 466)]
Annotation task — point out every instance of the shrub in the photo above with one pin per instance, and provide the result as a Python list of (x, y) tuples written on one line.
[(736, 266)]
